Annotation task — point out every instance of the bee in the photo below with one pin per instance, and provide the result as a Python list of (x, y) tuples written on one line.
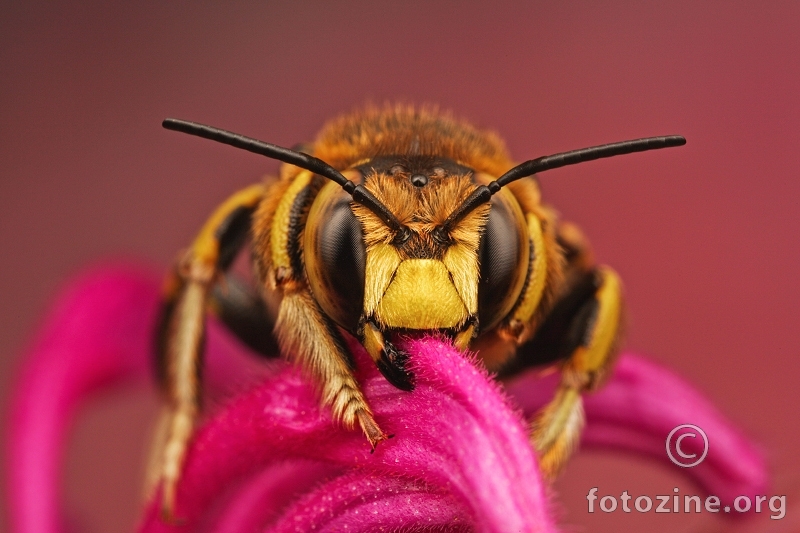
[(396, 220)]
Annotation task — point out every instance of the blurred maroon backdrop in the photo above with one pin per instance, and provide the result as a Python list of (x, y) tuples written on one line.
[(705, 237)]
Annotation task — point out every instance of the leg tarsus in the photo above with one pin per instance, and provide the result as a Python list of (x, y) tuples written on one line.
[(181, 426), (591, 333), (370, 428), (315, 342), (556, 429)]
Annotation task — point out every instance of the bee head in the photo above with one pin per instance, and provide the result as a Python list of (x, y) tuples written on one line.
[(412, 242), (359, 268)]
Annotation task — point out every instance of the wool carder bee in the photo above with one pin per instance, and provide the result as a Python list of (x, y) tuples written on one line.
[(396, 220)]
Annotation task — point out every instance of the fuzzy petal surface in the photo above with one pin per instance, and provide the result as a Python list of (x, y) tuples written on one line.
[(268, 458), (640, 405), (457, 449)]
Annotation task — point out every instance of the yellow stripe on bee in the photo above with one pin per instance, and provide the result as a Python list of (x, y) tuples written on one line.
[(206, 245), (279, 236), (595, 356), (538, 276), (382, 262)]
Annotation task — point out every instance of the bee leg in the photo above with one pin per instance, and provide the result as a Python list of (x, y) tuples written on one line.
[(181, 332), (582, 331), (578, 255), (305, 333), (390, 360), (245, 313)]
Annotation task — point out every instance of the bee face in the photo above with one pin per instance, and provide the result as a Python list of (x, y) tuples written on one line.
[(358, 270)]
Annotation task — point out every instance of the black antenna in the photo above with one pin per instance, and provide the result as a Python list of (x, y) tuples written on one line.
[(484, 193), (359, 193)]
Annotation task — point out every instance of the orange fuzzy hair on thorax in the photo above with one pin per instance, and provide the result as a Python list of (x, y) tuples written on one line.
[(409, 132)]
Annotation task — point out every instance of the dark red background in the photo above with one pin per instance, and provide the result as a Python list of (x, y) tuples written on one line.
[(704, 236)]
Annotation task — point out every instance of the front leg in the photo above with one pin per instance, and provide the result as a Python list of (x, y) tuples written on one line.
[(307, 335), (583, 331), (181, 332)]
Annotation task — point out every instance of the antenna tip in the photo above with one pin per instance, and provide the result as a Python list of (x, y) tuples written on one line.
[(170, 123)]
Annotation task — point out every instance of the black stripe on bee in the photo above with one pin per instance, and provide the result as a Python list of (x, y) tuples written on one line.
[(297, 217), (231, 235), (528, 274), (567, 326)]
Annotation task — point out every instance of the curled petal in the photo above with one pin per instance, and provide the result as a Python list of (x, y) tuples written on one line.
[(454, 434), (257, 500), (639, 407), (98, 334), (93, 338), (363, 502)]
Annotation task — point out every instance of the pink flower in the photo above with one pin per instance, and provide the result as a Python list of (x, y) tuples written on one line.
[(272, 460)]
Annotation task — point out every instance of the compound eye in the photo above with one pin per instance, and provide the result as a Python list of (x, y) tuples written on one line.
[(336, 259), (504, 260)]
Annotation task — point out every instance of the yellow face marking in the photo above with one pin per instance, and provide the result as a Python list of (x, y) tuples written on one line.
[(462, 263), (382, 262), (421, 296), (279, 236)]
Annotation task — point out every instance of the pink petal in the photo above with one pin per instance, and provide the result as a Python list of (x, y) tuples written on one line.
[(454, 434), (635, 412), (362, 502), (272, 459), (98, 334), (259, 498), (93, 338)]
